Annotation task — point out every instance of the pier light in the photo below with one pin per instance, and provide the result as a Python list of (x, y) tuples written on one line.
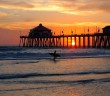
[(88, 30), (71, 32), (98, 30), (84, 30), (62, 33)]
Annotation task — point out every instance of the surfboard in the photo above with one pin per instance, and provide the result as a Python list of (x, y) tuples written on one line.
[(55, 54)]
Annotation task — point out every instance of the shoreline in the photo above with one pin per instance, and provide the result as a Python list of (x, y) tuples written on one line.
[(49, 58)]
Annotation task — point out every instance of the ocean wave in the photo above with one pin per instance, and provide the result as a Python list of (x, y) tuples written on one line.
[(25, 89), (14, 53), (30, 75), (29, 56), (83, 81), (10, 48), (77, 82)]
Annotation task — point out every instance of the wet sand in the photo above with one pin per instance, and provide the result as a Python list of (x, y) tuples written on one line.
[(63, 77)]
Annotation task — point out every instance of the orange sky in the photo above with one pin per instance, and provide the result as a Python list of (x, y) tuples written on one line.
[(59, 15)]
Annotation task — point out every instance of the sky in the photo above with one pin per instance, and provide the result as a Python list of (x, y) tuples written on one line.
[(19, 16)]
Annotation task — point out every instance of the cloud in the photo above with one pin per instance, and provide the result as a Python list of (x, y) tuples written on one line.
[(15, 4), (82, 6), (95, 5), (15, 13), (64, 6)]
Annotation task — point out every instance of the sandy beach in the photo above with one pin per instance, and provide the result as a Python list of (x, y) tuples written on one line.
[(63, 77)]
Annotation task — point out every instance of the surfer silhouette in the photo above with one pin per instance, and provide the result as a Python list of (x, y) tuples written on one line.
[(55, 55)]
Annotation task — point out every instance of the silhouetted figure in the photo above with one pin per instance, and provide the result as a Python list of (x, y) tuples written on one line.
[(55, 55)]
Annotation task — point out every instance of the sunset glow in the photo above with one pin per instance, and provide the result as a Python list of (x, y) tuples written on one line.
[(58, 15), (73, 42)]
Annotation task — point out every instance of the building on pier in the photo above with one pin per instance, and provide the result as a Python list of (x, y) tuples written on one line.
[(40, 31), (106, 30)]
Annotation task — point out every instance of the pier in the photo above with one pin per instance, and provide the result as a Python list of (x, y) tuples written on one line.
[(41, 36), (98, 40)]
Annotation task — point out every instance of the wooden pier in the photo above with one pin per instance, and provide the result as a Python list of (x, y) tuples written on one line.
[(99, 40)]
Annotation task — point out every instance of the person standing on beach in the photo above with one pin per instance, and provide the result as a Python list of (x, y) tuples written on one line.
[(54, 55)]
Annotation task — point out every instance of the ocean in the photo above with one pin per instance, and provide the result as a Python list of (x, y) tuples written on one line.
[(26, 71)]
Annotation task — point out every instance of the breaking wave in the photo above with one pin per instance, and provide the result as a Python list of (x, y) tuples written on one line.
[(40, 53), (29, 75)]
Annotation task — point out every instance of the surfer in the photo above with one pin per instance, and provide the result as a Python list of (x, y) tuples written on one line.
[(55, 55)]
